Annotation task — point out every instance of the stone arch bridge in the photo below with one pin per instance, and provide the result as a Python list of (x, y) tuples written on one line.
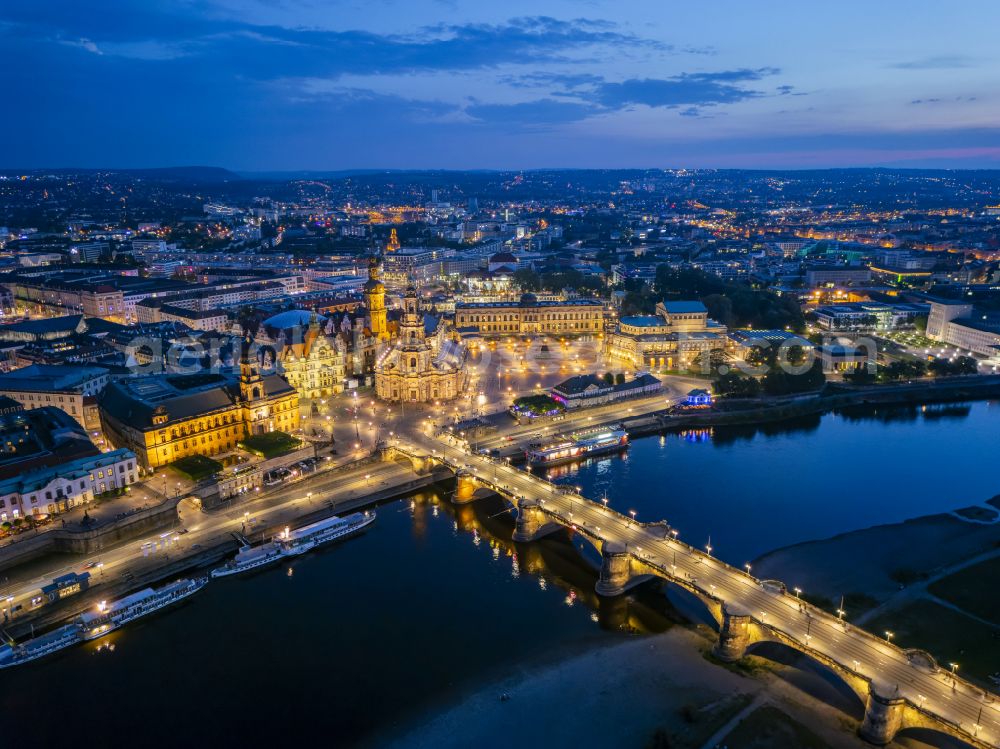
[(901, 689)]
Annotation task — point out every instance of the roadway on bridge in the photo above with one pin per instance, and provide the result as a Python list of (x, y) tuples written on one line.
[(858, 651)]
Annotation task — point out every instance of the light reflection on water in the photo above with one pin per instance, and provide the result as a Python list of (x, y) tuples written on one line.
[(436, 599)]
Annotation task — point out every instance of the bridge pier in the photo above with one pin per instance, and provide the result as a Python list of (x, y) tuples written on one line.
[(616, 569), (531, 521), (883, 715), (734, 635), (465, 488)]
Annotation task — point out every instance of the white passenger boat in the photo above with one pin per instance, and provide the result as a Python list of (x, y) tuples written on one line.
[(250, 557), (41, 646), (577, 446), (109, 617), (301, 540)]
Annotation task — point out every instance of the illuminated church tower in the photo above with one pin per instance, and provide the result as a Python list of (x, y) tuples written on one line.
[(393, 243), (375, 301)]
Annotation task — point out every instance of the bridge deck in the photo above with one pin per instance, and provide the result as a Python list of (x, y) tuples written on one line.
[(959, 705)]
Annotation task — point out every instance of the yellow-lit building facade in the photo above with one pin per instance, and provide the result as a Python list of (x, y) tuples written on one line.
[(313, 360), (574, 317), (167, 417), (374, 292), (673, 338), (413, 370)]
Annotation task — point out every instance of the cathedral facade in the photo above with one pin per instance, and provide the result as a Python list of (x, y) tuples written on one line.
[(414, 369)]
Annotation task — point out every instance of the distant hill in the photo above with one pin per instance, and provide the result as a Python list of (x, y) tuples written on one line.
[(200, 174)]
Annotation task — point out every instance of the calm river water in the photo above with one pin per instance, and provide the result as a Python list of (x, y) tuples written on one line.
[(361, 637)]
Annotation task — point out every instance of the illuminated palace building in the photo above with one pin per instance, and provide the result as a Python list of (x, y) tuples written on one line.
[(163, 418), (416, 369), (529, 316), (313, 358), (671, 339)]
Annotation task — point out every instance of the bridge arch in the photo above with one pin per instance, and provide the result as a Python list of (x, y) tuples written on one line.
[(845, 692), (933, 736)]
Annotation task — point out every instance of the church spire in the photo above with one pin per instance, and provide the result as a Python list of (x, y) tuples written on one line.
[(393, 243)]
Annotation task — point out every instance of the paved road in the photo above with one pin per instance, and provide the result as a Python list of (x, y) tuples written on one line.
[(859, 651), (205, 529), (509, 432)]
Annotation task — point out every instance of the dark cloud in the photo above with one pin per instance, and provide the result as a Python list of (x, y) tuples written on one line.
[(540, 113), (938, 101), (687, 89), (588, 95), (567, 81), (173, 30)]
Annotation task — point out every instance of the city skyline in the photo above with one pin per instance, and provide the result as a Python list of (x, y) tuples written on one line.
[(523, 86)]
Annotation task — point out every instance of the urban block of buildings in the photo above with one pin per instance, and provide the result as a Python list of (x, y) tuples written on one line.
[(166, 417)]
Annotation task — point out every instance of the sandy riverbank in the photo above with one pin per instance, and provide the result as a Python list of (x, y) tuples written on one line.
[(620, 695), (875, 560)]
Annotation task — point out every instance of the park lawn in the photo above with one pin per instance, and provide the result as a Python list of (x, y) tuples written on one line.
[(270, 444), (768, 727), (946, 634), (973, 589), (196, 467)]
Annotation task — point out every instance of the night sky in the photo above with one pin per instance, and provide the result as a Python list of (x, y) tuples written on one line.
[(319, 84)]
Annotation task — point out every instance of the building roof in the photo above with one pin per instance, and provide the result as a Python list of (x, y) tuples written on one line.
[(40, 478), (66, 324), (49, 377), (580, 383), (528, 302), (684, 308), (771, 336), (292, 318), (643, 321), (182, 397)]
